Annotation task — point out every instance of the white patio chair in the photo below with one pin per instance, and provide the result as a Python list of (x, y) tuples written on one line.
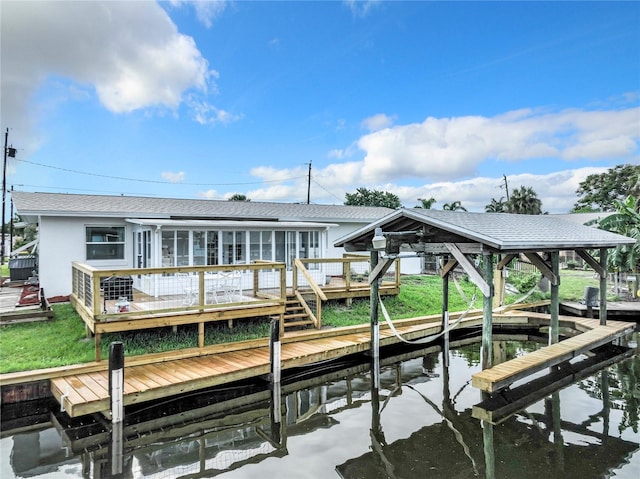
[(215, 284), (233, 286), (189, 288)]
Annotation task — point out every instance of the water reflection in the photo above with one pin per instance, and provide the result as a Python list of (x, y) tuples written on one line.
[(332, 422)]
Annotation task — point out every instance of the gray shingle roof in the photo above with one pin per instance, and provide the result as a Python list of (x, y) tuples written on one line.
[(497, 231), (56, 204)]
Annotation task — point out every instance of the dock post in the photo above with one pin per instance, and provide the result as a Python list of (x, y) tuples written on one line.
[(116, 392), (554, 306), (487, 313), (445, 318), (603, 287), (374, 290), (275, 355), (275, 351)]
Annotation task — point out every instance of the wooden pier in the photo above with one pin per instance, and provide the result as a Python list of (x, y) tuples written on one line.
[(616, 310), (504, 374), (84, 390)]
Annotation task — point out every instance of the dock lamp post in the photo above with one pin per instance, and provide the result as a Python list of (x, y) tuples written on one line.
[(11, 153)]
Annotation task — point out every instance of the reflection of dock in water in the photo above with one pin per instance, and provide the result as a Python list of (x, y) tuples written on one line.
[(205, 434), (527, 444)]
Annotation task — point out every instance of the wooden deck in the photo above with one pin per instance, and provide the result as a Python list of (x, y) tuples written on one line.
[(84, 389), (505, 374)]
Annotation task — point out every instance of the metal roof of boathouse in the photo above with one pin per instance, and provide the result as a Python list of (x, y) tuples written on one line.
[(497, 232)]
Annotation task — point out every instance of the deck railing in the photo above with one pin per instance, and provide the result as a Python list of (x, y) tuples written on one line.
[(348, 274), (310, 297), (104, 294)]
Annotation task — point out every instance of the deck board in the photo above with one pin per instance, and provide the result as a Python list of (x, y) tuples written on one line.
[(86, 392)]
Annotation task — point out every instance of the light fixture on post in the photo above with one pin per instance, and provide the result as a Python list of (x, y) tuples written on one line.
[(10, 152), (379, 241)]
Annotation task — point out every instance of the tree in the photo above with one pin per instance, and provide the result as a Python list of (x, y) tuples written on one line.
[(366, 197), (524, 201), (426, 204), (454, 206), (625, 221), (598, 192), (496, 206), (238, 197)]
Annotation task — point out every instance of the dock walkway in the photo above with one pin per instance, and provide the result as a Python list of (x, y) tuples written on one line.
[(504, 374), (86, 393)]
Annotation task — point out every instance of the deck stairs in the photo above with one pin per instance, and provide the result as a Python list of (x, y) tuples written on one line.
[(295, 317)]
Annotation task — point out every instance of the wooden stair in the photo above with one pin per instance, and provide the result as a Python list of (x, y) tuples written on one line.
[(295, 316)]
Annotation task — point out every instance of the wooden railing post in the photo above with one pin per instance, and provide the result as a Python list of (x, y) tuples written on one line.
[(95, 293), (346, 271)]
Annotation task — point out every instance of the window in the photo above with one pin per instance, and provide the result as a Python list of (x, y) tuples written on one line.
[(310, 247), (212, 247), (233, 247), (168, 248), (182, 248), (199, 241), (105, 242), (260, 245)]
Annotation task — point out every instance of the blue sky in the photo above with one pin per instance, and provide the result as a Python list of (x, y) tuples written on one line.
[(423, 99)]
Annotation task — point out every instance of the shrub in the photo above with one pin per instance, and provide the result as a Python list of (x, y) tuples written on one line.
[(523, 281)]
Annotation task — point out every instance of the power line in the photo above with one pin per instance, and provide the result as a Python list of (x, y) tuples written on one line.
[(336, 197), (159, 181)]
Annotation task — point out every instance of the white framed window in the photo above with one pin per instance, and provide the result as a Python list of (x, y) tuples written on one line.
[(105, 242)]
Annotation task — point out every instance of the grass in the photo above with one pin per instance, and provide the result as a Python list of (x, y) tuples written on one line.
[(419, 296), (62, 341)]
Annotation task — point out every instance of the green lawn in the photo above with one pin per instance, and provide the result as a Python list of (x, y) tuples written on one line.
[(62, 341)]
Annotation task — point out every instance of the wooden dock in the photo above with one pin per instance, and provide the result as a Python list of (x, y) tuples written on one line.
[(83, 389), (85, 393), (504, 374), (616, 310)]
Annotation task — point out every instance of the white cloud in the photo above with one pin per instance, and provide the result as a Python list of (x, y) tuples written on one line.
[(450, 148), (206, 10), (209, 195), (174, 177), (130, 53), (377, 122)]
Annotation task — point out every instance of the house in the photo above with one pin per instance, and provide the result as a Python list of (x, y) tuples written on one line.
[(123, 232)]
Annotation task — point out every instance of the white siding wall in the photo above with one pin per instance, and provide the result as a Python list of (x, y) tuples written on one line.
[(63, 241)]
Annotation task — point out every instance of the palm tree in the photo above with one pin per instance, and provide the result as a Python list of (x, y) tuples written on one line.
[(524, 201), (496, 206), (454, 206), (625, 221), (426, 204)]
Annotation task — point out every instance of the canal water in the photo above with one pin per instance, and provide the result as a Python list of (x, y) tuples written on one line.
[(424, 420)]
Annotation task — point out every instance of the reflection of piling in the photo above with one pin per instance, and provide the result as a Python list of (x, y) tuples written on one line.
[(116, 392), (489, 452)]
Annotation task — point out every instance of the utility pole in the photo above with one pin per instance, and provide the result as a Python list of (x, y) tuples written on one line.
[(506, 185), (309, 185), (11, 152)]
